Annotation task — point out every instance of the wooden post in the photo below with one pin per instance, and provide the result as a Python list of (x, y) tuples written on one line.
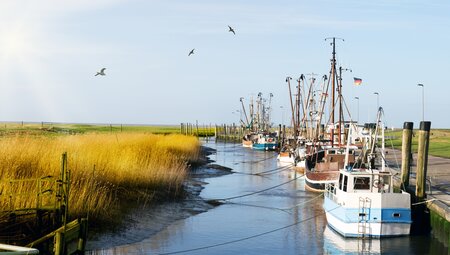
[(406, 153), (422, 159), (58, 244), (196, 125), (279, 137), (82, 236)]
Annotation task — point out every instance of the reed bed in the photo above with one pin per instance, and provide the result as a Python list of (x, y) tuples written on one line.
[(106, 169)]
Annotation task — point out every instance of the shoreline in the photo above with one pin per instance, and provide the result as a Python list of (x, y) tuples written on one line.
[(147, 220)]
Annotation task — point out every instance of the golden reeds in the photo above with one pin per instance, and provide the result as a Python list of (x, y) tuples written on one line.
[(104, 167)]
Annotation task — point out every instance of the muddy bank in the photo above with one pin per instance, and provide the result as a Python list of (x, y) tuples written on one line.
[(148, 220)]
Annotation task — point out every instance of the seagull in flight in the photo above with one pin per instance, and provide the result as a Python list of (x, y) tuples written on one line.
[(231, 30), (192, 52), (102, 72)]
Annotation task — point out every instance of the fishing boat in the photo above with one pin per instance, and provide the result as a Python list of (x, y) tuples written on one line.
[(323, 167), (248, 140), (323, 164), (363, 203), (257, 125), (266, 141)]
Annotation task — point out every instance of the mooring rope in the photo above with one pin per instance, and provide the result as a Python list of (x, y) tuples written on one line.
[(249, 237), (261, 160), (258, 206), (430, 200), (264, 172), (253, 193)]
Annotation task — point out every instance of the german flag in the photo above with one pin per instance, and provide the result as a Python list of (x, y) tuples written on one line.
[(357, 81)]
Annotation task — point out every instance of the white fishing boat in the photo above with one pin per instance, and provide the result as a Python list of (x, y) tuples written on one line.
[(363, 203)]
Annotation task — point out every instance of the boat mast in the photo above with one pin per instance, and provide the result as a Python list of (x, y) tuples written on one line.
[(243, 109), (341, 112), (333, 83), (288, 79), (301, 104)]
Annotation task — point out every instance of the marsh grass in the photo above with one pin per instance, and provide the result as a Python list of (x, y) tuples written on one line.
[(106, 169)]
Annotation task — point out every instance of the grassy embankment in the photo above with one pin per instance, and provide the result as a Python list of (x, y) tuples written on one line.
[(106, 168), (439, 141)]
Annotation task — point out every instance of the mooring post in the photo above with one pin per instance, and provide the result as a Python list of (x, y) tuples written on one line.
[(279, 136), (422, 159), (406, 153)]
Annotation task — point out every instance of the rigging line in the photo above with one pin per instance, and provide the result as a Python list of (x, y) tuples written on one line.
[(395, 154), (256, 192), (250, 237)]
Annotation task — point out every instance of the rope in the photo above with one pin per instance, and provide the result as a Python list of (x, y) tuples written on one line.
[(424, 202), (256, 192), (264, 172), (430, 200), (261, 160), (257, 206), (248, 237), (278, 169)]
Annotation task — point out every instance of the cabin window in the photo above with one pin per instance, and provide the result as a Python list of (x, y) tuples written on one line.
[(361, 183), (340, 181), (396, 215), (345, 183)]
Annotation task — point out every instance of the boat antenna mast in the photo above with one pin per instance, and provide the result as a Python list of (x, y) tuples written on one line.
[(333, 82)]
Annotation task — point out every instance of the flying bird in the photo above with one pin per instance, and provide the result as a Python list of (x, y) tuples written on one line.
[(102, 72), (231, 30), (192, 52)]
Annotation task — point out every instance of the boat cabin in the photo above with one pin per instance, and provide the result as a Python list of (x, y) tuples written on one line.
[(363, 181)]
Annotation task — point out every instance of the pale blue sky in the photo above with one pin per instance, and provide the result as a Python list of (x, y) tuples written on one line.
[(50, 51)]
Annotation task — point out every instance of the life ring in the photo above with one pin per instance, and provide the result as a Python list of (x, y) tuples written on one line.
[(270, 140), (378, 183)]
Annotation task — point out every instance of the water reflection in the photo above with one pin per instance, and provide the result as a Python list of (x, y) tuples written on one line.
[(283, 220)]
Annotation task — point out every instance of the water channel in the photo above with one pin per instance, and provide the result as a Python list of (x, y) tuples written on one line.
[(283, 219)]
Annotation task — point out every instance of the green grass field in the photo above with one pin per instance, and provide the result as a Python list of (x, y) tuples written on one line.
[(45, 128), (439, 141)]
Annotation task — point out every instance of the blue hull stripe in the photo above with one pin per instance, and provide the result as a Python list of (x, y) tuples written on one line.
[(375, 215)]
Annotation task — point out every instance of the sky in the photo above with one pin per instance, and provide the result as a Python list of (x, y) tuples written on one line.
[(50, 51)]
